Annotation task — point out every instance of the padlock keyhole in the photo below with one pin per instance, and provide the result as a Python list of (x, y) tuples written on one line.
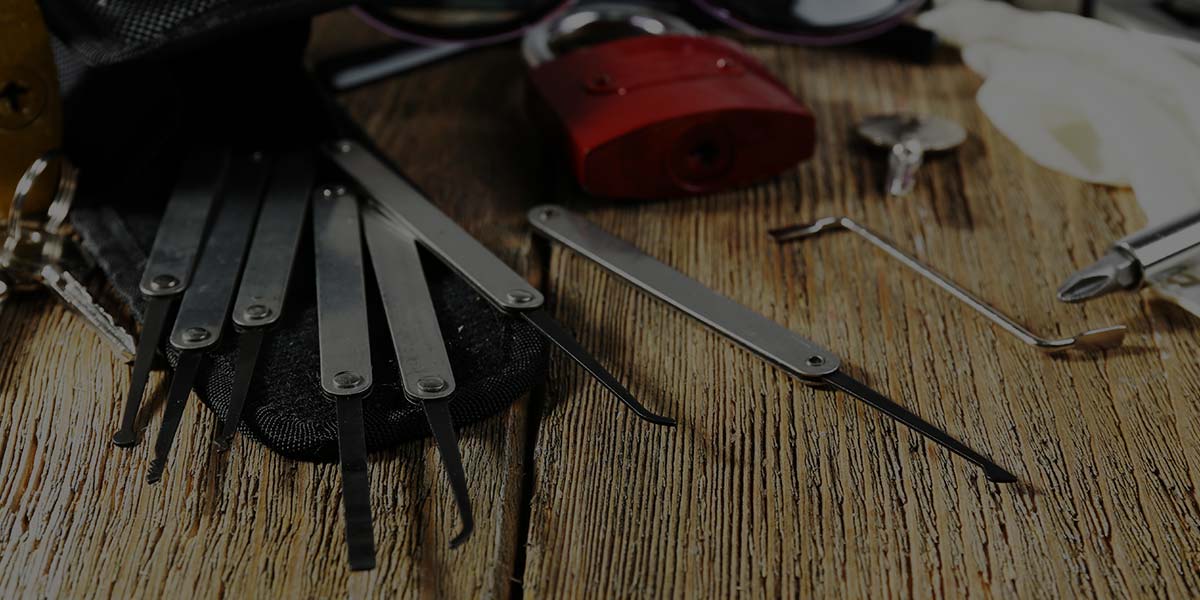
[(704, 156)]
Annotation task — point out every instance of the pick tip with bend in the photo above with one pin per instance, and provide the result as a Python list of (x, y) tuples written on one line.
[(155, 473), (997, 474), (659, 419), (462, 536)]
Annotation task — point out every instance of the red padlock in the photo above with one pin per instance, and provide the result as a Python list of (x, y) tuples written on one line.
[(654, 116)]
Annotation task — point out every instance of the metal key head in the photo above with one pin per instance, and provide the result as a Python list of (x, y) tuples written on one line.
[(908, 137)]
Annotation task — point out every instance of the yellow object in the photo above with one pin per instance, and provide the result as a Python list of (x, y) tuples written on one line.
[(30, 104)]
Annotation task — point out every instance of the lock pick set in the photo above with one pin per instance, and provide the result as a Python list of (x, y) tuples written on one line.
[(320, 304), (229, 240)]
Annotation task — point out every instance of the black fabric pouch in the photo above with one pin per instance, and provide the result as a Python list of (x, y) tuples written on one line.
[(129, 126)]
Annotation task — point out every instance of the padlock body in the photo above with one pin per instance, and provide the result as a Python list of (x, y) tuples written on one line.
[(671, 115)]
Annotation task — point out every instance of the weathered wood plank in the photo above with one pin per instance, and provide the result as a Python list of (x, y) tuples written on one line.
[(771, 489)]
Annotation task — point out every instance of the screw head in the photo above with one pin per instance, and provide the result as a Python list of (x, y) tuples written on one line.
[(545, 214), (343, 147), (196, 334), (520, 297), (431, 384), (347, 379), (164, 282), (23, 97), (815, 360), (257, 312)]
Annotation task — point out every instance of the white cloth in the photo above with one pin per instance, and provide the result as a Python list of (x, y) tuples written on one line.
[(1098, 102)]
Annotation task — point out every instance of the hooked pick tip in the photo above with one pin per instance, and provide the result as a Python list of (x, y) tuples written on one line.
[(997, 474), (462, 536), (659, 420), (795, 232)]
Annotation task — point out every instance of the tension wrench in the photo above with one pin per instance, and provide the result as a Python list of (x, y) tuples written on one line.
[(1091, 339)]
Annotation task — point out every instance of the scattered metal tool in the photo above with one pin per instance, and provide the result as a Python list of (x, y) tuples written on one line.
[(345, 348), (779, 346), (419, 347), (37, 254), (1165, 258), (907, 138), (1092, 339), (268, 270), (169, 268), (397, 199), (205, 305)]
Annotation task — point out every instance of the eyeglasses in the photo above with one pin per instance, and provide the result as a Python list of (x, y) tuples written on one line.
[(441, 28), (474, 22)]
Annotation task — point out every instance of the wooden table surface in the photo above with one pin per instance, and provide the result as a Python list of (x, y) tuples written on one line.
[(767, 488)]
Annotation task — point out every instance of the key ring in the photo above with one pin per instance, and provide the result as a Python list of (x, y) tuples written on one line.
[(56, 215)]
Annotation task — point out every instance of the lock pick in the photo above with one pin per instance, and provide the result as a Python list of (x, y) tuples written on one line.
[(205, 306), (779, 346), (264, 282), (397, 199), (344, 341), (419, 346), (169, 268)]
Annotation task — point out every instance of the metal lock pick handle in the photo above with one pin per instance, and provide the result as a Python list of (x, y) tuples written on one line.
[(168, 269), (346, 374), (205, 306), (754, 332), (397, 199)]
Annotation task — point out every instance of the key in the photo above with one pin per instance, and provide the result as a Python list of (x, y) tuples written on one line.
[(908, 138), (40, 254)]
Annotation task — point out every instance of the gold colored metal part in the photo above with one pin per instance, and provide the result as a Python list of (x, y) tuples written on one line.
[(30, 104)]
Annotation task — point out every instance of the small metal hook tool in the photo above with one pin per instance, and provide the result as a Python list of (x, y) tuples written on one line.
[(777, 345), (1092, 339)]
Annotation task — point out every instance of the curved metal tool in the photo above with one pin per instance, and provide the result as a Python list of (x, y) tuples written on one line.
[(391, 194), (754, 332), (1092, 339), (420, 349)]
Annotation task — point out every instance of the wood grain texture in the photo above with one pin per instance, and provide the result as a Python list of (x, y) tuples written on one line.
[(772, 489), (767, 488)]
